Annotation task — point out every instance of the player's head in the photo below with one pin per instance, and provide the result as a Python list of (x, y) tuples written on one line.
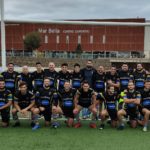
[(147, 85), (85, 86), (100, 69), (25, 69), (46, 82), (125, 67), (51, 66), (113, 70), (23, 87), (139, 67), (64, 67), (89, 64), (131, 85), (111, 89), (2, 83), (38, 66), (76, 67), (67, 85), (10, 67)]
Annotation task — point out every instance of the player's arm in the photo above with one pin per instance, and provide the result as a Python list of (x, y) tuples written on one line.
[(76, 98), (128, 100), (31, 104), (137, 100), (94, 101), (8, 104)]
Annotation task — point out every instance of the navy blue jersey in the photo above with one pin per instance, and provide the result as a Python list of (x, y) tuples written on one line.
[(37, 79), (76, 80), (5, 97), (53, 76), (10, 80), (99, 82), (145, 99)]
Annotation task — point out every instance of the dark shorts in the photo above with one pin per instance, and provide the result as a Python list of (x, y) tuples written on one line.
[(132, 114), (112, 114), (5, 114), (68, 112), (85, 105), (47, 113)]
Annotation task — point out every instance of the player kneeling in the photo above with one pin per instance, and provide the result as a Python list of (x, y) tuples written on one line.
[(24, 101), (66, 103), (85, 98), (145, 103), (131, 102), (110, 99), (5, 103), (45, 98)]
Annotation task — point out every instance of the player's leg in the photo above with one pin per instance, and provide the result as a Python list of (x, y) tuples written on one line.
[(146, 113), (94, 113), (120, 115), (76, 112), (15, 117), (35, 115), (103, 116), (5, 113)]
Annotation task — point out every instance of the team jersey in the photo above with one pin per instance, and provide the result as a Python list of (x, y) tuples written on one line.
[(26, 78), (66, 98), (99, 82), (37, 79), (131, 95), (24, 100), (62, 78), (52, 75), (145, 99), (5, 97), (110, 101), (114, 78), (10, 80), (85, 98), (139, 79), (124, 77), (76, 79), (46, 97)]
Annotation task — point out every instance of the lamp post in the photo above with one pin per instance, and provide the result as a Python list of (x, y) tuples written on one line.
[(3, 42)]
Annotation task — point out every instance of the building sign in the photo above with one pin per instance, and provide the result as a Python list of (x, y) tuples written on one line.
[(57, 31)]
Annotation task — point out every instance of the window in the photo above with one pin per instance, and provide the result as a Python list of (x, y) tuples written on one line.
[(104, 39), (67, 39), (46, 39), (79, 39), (91, 39), (57, 39)]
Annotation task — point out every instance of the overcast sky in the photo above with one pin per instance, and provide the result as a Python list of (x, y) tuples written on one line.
[(76, 9)]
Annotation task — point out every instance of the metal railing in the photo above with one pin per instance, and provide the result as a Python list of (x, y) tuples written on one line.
[(71, 55)]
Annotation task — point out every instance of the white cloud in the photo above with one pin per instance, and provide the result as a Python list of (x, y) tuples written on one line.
[(75, 9)]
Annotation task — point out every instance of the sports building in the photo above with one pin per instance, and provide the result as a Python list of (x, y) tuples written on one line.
[(96, 39)]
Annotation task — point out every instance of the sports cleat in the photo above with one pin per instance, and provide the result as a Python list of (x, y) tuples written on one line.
[(92, 125), (55, 125), (17, 124), (145, 129), (77, 125), (101, 127), (121, 127), (37, 126)]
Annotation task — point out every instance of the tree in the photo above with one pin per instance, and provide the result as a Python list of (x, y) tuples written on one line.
[(32, 41)]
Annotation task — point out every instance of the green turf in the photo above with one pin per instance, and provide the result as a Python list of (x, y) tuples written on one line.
[(84, 138)]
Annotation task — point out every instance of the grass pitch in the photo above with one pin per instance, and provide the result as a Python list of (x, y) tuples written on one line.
[(63, 138)]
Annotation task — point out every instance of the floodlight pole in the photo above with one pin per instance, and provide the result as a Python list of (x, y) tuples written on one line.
[(3, 42)]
